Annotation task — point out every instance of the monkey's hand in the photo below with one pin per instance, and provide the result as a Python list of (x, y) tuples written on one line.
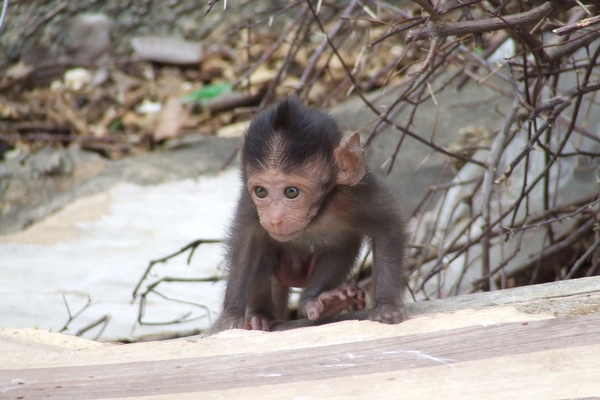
[(259, 321), (333, 302), (388, 314), (226, 322)]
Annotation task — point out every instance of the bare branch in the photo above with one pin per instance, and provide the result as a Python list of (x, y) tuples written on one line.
[(435, 17), (584, 23), (461, 28)]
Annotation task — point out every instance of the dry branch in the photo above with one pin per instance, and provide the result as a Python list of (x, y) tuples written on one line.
[(435, 17), (584, 23), (461, 28)]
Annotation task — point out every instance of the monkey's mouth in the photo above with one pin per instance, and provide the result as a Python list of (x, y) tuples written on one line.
[(285, 237)]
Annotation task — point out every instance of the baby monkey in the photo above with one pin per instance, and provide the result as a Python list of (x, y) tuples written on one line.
[(306, 207)]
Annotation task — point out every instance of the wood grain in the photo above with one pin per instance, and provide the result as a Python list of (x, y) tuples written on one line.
[(239, 371)]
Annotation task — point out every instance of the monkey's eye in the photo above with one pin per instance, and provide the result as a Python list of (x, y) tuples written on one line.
[(260, 192), (291, 192)]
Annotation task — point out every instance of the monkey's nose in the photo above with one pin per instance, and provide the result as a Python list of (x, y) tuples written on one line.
[(276, 221), (276, 218)]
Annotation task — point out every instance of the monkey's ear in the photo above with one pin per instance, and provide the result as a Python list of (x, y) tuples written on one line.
[(350, 159)]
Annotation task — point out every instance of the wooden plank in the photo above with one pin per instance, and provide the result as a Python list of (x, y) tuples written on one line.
[(563, 298), (548, 375), (248, 372)]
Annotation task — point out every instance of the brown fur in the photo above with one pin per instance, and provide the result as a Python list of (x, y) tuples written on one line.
[(311, 238)]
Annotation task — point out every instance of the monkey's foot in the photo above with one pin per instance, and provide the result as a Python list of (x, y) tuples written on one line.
[(388, 314), (333, 302)]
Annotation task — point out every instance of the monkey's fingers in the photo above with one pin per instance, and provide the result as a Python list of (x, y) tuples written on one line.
[(259, 323), (313, 309), (333, 302), (354, 295), (355, 292), (335, 307)]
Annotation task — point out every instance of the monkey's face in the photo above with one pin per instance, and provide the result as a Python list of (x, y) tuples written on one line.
[(286, 202)]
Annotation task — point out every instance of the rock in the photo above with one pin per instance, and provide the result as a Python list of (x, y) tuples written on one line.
[(43, 183), (168, 50), (87, 38), (50, 162)]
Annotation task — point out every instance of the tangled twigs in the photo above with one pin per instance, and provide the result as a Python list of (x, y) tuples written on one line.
[(508, 170), (103, 320), (558, 105), (315, 57), (556, 248), (152, 288), (78, 313), (193, 245), (181, 319)]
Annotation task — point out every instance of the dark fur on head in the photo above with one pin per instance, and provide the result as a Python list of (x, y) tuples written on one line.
[(288, 136)]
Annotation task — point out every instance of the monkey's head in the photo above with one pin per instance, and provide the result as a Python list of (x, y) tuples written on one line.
[(292, 157)]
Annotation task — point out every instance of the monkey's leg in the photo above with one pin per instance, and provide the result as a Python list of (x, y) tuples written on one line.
[(327, 294)]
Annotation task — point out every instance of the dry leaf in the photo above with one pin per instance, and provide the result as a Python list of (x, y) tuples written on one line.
[(172, 117)]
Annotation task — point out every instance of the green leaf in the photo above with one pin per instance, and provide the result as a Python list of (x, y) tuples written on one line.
[(116, 124), (206, 93)]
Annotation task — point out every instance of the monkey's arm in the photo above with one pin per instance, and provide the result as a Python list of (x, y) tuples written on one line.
[(237, 291), (243, 257), (382, 220), (389, 277)]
